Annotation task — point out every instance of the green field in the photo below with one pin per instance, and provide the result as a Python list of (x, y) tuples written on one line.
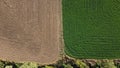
[(92, 28)]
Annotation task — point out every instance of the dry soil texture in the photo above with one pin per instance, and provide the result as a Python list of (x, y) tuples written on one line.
[(30, 30)]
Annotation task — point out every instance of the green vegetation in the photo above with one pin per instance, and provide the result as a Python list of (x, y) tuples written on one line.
[(92, 28), (9, 67), (66, 63), (2, 65), (67, 66), (108, 65), (48, 66), (81, 64), (29, 65)]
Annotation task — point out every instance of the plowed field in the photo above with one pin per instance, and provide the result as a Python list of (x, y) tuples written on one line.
[(30, 30)]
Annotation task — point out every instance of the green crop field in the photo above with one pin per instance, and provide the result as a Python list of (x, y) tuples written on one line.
[(92, 28)]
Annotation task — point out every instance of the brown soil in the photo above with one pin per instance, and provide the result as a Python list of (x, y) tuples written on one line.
[(30, 30)]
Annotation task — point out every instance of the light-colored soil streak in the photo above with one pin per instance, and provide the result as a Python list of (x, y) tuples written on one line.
[(30, 30)]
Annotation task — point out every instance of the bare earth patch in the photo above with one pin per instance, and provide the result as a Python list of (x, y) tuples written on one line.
[(30, 30)]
